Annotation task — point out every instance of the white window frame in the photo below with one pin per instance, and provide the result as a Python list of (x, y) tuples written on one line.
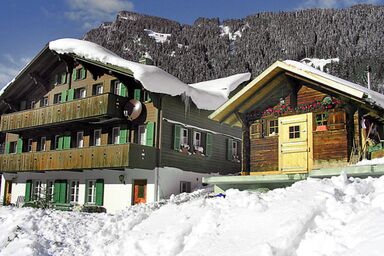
[(13, 147), (117, 87), (45, 101), (29, 145), (234, 148), (43, 146), (116, 135), (82, 93), (74, 186), (91, 197), (50, 187), (197, 142), (184, 140), (37, 189), (57, 97), (99, 89), (80, 139), (142, 132), (33, 104), (97, 141)]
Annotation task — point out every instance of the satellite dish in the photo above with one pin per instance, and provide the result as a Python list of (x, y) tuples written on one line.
[(132, 109)]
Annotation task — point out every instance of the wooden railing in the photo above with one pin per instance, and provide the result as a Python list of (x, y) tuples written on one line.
[(87, 108), (100, 157)]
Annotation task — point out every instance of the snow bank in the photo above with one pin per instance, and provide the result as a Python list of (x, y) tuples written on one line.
[(159, 37), (319, 63), (374, 97), (153, 78), (337, 216), (371, 162)]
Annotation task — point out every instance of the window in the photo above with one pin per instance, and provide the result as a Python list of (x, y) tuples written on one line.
[(56, 145), (115, 135), (43, 142), (80, 93), (13, 147), (37, 189), (294, 132), (79, 73), (91, 191), (63, 78), (50, 189), (234, 149), (117, 87), (146, 96), (196, 139), (29, 145), (98, 89), (142, 135), (273, 127), (57, 98), (74, 191), (80, 140), (184, 136), (97, 137), (45, 102), (185, 187), (33, 104), (321, 119)]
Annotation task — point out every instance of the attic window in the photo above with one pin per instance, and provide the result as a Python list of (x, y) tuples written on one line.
[(79, 74)]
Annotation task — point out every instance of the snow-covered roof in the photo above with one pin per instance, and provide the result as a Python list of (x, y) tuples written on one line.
[(207, 95), (374, 97)]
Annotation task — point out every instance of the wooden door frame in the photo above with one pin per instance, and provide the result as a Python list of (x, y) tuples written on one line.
[(139, 182), (309, 118)]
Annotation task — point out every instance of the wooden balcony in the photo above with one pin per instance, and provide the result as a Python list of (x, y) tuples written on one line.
[(102, 157), (81, 109)]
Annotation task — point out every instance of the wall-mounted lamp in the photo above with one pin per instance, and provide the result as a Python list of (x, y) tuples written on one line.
[(282, 101), (122, 178)]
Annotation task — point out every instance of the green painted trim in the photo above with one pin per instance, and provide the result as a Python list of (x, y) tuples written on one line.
[(63, 96), (71, 94), (99, 192), (176, 137), (123, 135), (28, 189), (7, 147), (137, 94), (19, 147), (150, 130), (67, 142)]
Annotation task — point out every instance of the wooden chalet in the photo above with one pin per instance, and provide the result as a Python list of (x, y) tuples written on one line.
[(298, 121), (84, 132)]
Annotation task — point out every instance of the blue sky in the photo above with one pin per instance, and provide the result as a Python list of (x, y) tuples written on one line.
[(27, 25)]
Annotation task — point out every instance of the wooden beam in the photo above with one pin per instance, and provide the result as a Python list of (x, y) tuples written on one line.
[(39, 81)]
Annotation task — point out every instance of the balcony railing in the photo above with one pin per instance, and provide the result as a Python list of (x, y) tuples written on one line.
[(80, 109), (101, 157)]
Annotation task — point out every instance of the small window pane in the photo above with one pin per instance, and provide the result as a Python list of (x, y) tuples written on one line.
[(294, 132)]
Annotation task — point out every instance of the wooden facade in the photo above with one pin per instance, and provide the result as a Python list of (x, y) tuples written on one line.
[(295, 119)]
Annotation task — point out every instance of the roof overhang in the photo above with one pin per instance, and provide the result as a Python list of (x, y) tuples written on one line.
[(229, 112)]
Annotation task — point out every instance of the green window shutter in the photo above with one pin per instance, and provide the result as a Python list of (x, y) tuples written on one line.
[(83, 73), (28, 186), (229, 149), (137, 94), (20, 146), (67, 142), (56, 191), (123, 136), (99, 192), (176, 137), (150, 134), (64, 96), (71, 94), (7, 147), (74, 74), (60, 143), (209, 144), (123, 90), (63, 192)]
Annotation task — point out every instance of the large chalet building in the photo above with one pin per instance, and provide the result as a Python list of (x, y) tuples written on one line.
[(81, 126)]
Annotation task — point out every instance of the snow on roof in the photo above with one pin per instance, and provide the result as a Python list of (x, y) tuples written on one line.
[(372, 96), (207, 95)]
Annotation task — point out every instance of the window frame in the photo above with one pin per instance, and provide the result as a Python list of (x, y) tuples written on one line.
[(43, 147), (324, 120), (73, 191), (142, 136), (117, 87), (12, 147), (115, 139), (93, 192), (37, 189), (235, 148), (97, 90), (95, 139), (187, 185), (29, 145), (183, 138), (273, 129), (195, 139), (78, 144), (293, 133), (57, 98), (45, 101)]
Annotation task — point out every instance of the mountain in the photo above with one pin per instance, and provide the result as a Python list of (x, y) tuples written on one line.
[(211, 49)]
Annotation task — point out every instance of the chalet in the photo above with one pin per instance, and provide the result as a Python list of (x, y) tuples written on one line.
[(298, 121), (82, 126)]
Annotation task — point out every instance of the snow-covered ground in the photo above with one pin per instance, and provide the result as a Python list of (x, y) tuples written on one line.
[(337, 216)]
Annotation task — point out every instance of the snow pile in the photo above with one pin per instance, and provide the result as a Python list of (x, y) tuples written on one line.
[(375, 161), (159, 37), (319, 63), (337, 216), (372, 96), (153, 78)]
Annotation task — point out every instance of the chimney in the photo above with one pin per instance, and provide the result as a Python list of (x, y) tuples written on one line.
[(369, 70)]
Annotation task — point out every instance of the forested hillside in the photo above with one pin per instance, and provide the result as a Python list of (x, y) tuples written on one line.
[(211, 48)]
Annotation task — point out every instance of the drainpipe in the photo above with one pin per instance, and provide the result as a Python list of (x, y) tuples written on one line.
[(158, 144), (369, 70)]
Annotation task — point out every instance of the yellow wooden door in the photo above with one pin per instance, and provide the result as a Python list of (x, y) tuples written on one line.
[(295, 140)]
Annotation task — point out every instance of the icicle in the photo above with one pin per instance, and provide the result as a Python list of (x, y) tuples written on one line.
[(187, 102)]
